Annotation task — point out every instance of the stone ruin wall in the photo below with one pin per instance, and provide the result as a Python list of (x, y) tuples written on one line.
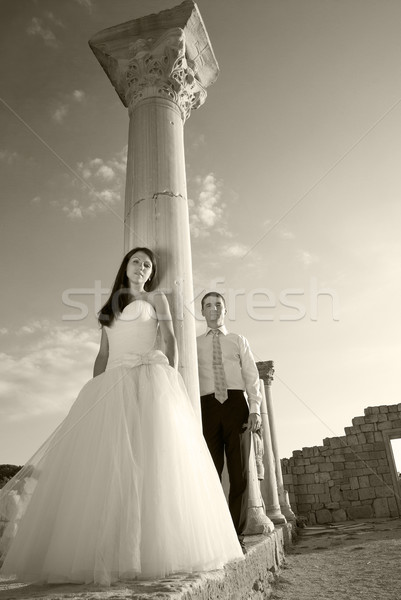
[(350, 477)]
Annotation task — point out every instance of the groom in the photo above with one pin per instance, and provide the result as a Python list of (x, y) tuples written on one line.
[(227, 369)]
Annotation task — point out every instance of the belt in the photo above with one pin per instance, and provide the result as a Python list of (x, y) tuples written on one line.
[(228, 391)]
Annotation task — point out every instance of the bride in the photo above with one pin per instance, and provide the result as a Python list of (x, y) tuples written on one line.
[(125, 486)]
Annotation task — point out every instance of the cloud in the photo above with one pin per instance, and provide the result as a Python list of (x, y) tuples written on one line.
[(306, 258), (51, 17), (39, 28), (62, 110), (235, 250), (207, 212), (60, 113), (88, 4), (46, 377), (8, 157), (78, 95), (284, 233), (101, 184)]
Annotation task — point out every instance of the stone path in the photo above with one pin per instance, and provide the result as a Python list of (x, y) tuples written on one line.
[(343, 562)]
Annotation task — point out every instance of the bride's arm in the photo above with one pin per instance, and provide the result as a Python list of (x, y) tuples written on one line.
[(163, 313), (103, 355)]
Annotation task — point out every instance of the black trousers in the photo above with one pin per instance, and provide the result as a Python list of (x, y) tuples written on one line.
[(222, 427)]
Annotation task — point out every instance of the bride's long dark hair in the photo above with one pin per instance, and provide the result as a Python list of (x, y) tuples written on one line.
[(120, 294)]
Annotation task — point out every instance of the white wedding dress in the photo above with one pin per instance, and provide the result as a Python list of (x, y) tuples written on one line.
[(125, 486)]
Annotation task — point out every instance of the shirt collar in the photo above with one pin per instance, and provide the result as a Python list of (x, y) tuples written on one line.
[(222, 329)]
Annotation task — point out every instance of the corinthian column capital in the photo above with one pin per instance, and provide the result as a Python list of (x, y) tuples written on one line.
[(161, 69), (165, 55), (266, 371)]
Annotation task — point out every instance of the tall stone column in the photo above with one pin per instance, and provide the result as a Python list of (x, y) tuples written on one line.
[(160, 66), (266, 372), (268, 485)]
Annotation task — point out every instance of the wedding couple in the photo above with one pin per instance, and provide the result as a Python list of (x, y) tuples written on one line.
[(126, 486)]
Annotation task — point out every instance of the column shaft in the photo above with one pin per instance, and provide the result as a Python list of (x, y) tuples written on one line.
[(157, 216)]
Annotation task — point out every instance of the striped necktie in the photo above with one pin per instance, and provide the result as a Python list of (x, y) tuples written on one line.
[(220, 384)]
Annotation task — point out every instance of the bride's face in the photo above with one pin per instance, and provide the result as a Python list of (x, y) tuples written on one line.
[(139, 268)]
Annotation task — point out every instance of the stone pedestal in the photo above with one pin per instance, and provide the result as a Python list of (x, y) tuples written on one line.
[(160, 66), (266, 372)]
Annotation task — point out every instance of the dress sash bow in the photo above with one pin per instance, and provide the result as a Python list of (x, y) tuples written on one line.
[(131, 360)]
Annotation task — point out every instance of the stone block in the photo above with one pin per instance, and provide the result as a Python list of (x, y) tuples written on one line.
[(371, 410), (360, 512), (306, 478), (381, 508), (378, 436), (312, 518), (367, 493), (307, 452), (358, 420), (393, 507), (383, 408), (375, 480), (393, 416), (384, 491), (323, 477), (336, 494), (382, 468), (339, 515), (337, 458), (354, 481), (367, 447), (317, 460), (316, 488), (384, 426), (324, 516), (393, 408), (368, 427), (370, 436), (326, 467), (298, 470), (371, 418), (379, 445), (311, 469), (364, 481), (299, 462), (361, 438), (304, 508), (332, 505), (302, 489), (351, 495)]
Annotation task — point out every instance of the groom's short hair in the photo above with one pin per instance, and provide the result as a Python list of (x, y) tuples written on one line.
[(216, 294)]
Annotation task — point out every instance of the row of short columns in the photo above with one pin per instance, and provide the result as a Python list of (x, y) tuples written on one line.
[(268, 502)]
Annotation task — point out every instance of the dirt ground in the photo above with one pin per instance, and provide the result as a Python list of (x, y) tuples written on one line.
[(345, 561)]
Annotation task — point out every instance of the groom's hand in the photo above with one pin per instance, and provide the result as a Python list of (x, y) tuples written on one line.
[(254, 422)]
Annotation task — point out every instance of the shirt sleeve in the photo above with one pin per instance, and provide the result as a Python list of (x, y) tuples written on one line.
[(250, 375)]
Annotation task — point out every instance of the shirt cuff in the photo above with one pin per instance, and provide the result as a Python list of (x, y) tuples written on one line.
[(254, 407)]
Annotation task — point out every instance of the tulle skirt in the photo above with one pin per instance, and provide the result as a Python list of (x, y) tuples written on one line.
[(124, 488)]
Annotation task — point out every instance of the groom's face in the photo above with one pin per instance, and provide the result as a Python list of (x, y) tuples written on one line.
[(214, 311)]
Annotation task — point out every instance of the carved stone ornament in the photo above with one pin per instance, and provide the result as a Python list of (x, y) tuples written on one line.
[(266, 371), (161, 69)]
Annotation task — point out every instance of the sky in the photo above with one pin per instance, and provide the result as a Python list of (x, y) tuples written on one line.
[(293, 172)]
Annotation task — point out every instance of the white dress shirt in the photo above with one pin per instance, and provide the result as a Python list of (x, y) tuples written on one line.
[(239, 366)]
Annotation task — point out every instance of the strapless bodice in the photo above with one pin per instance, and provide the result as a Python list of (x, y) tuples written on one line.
[(133, 332)]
